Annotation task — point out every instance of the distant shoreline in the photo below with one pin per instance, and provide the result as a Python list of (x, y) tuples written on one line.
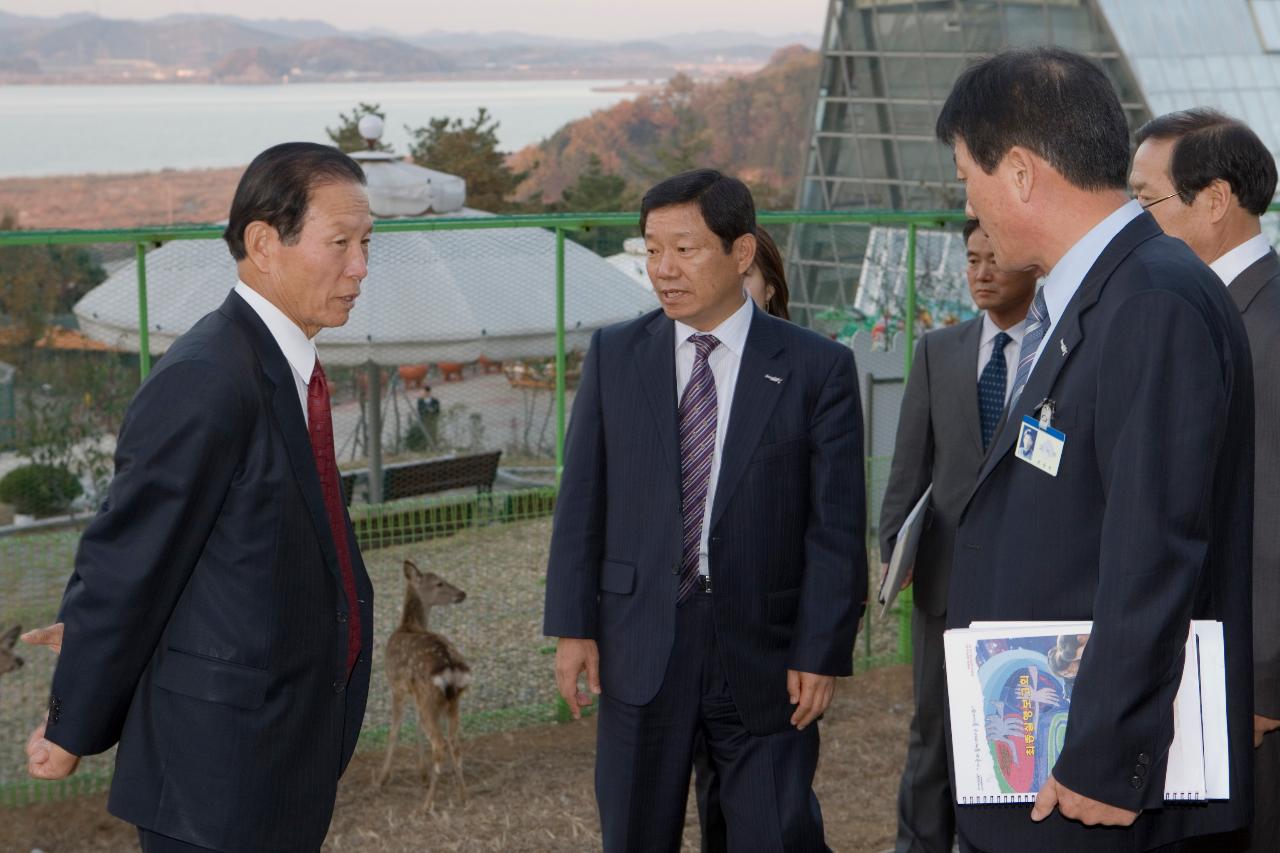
[(121, 199), (639, 80)]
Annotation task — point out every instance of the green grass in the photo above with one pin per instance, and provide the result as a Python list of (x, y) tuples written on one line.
[(494, 550)]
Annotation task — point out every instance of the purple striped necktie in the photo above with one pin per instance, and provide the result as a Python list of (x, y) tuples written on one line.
[(697, 449)]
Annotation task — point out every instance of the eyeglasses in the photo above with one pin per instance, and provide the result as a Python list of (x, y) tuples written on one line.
[(1152, 204)]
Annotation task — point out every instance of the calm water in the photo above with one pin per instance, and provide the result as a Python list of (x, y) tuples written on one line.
[(57, 130)]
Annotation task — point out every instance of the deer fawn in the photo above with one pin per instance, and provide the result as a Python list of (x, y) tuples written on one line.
[(8, 660), (426, 667)]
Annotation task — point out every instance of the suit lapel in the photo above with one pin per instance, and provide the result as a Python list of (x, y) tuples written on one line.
[(1249, 283), (754, 397), (1065, 336), (959, 373), (656, 363), (289, 420)]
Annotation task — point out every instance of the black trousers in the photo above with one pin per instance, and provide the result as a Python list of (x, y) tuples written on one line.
[(644, 757), (706, 790), (1263, 835), (153, 843), (926, 806)]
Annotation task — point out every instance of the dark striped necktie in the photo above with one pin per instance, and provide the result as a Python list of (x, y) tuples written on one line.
[(697, 449), (1037, 328)]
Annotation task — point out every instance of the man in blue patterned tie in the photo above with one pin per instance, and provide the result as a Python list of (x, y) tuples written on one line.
[(943, 431), (707, 566)]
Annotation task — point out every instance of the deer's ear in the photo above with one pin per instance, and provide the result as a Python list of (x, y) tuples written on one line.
[(8, 638), (411, 570)]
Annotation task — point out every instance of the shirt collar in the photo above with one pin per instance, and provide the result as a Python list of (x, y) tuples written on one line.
[(298, 349), (990, 330), (732, 333), (1229, 266), (1064, 279)]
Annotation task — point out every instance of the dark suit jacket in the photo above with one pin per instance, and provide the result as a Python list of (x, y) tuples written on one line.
[(940, 441), (1146, 525), (206, 619), (1256, 292), (787, 527)]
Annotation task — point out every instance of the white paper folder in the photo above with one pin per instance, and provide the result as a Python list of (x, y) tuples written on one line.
[(1009, 686), (904, 552)]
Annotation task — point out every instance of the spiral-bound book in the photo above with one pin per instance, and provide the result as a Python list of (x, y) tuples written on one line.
[(1010, 689)]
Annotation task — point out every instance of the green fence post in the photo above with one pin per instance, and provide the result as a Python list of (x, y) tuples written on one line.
[(909, 339), (563, 714), (144, 335), (560, 359)]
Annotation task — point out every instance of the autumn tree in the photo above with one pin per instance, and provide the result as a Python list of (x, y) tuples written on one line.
[(469, 149), (595, 191), (37, 282)]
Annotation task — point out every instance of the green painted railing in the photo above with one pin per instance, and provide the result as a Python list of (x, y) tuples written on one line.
[(143, 238)]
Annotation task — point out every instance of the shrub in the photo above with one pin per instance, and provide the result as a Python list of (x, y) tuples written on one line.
[(39, 490)]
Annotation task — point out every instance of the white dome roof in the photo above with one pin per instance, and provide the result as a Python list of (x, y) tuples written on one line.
[(398, 188), (430, 296)]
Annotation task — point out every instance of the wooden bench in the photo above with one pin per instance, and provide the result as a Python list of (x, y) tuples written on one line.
[(406, 479)]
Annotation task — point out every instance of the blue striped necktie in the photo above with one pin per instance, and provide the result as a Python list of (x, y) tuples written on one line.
[(697, 449), (1037, 328), (991, 388)]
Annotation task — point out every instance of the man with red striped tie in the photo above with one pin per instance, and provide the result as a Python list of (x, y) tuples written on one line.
[(218, 624)]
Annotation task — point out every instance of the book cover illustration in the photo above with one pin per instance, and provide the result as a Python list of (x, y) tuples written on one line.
[(1026, 685)]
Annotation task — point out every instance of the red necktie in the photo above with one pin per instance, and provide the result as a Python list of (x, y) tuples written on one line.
[(320, 422)]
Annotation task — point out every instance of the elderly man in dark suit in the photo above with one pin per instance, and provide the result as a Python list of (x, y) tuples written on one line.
[(1207, 179), (1141, 521), (218, 623), (707, 566), (960, 381)]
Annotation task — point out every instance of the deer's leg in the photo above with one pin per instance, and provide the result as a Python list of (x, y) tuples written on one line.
[(455, 745), (428, 697), (419, 738), (397, 714)]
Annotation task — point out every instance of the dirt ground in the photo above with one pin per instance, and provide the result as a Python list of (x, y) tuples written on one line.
[(530, 790)]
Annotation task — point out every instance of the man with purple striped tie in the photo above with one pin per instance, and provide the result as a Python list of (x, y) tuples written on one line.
[(707, 566)]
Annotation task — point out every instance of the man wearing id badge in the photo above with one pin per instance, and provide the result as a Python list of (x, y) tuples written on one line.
[(1208, 179), (1119, 488), (952, 405)]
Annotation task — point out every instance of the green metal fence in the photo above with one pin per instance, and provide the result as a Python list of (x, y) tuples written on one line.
[(490, 542)]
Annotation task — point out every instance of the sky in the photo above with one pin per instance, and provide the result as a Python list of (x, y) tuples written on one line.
[(601, 19)]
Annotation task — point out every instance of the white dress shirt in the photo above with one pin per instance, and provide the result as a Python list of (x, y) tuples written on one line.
[(298, 349), (724, 362), (1065, 278), (989, 332), (1229, 266)]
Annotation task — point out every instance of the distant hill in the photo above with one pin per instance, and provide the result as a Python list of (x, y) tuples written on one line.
[(87, 48), (193, 43), (10, 21), (322, 57), (284, 27), (751, 126)]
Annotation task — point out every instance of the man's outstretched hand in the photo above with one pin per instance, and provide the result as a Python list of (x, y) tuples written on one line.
[(50, 636)]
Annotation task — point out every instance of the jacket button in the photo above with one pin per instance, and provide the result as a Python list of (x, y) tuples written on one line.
[(1143, 758), (1140, 770), (337, 686), (1135, 781), (675, 567), (342, 617)]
